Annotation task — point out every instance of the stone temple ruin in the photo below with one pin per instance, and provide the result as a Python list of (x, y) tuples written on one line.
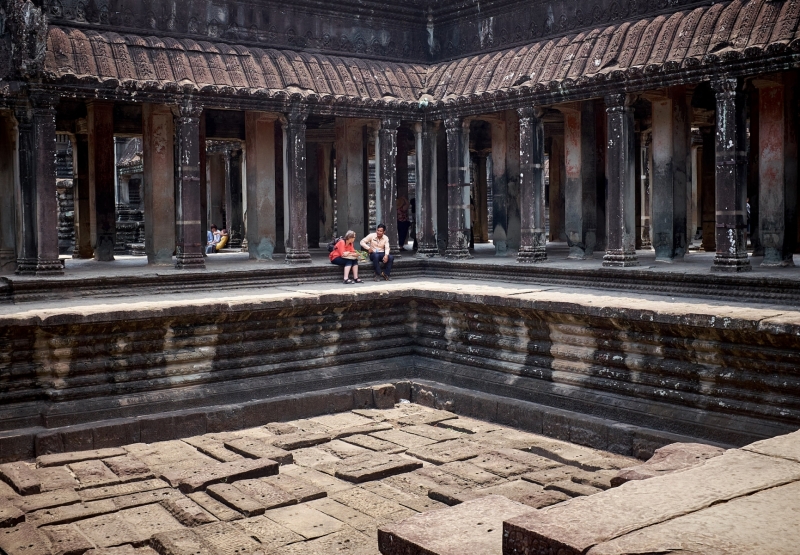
[(594, 347)]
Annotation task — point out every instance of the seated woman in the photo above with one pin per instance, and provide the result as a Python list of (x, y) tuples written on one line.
[(344, 254), (223, 239)]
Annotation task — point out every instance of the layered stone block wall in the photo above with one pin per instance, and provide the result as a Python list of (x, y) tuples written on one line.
[(710, 372)]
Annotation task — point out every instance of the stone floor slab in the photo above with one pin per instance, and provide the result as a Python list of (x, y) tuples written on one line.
[(299, 440), (469, 425), (281, 428), (469, 471), (10, 516), (148, 520), (342, 450), (314, 457), (187, 512), (213, 448), (266, 494), (305, 521), (55, 478), (93, 473), (66, 539), (343, 542), (199, 478), (109, 531), (226, 539), (30, 503), (527, 493), (21, 477), (447, 451), (367, 428), (343, 513), (24, 539), (166, 453), (181, 542), (71, 513), (670, 458), (216, 508), (368, 502), (145, 498), (342, 420), (477, 524), (412, 501), (105, 492), (786, 446), (257, 449), (268, 532), (128, 468), (403, 439), (374, 467), (298, 488), (435, 433), (236, 499), (324, 481), (571, 488), (61, 459), (373, 444)]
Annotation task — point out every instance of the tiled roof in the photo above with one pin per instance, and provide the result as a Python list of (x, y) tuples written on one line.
[(712, 34)]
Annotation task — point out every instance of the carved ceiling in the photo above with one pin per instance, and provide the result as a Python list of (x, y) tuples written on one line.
[(710, 35)]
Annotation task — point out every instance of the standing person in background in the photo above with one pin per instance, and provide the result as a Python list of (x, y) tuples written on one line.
[(345, 255), (377, 244), (402, 221)]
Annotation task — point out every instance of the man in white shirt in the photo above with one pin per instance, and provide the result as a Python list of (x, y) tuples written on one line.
[(377, 244)]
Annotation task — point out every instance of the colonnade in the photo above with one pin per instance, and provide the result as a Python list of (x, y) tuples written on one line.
[(610, 164)]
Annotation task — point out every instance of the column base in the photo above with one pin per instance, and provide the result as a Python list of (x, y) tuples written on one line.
[(427, 252), (457, 254), (39, 267), (531, 255), (732, 264), (297, 257), (620, 259), (186, 261)]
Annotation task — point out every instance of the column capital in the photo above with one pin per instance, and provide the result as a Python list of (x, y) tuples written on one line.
[(452, 123), (390, 124), (189, 108), (530, 112), (297, 115), (619, 101), (726, 86)]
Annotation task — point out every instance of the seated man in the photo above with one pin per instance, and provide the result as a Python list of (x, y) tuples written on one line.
[(377, 244)]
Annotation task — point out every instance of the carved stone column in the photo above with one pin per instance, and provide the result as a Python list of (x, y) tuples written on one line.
[(531, 186), (425, 135), (158, 164), (708, 189), (260, 153), (351, 189), (102, 178), (8, 203), (777, 168), (236, 215), (580, 194), (457, 187), (37, 223), (671, 149), (387, 181), (188, 206), (620, 170), (731, 177), (646, 177), (294, 182), (83, 216)]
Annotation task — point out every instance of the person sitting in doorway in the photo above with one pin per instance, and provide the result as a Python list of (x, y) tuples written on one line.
[(345, 255), (223, 239), (377, 244), (213, 238)]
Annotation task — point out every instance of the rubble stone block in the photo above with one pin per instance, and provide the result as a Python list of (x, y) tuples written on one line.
[(477, 523), (402, 390), (374, 467), (187, 512), (128, 468), (78, 438), (670, 458), (24, 538), (55, 478), (362, 398), (17, 445), (299, 440), (255, 449), (10, 516), (21, 477), (520, 414), (93, 473), (224, 418), (199, 478), (305, 521), (49, 442), (66, 539), (383, 396), (236, 499), (115, 433), (180, 542)]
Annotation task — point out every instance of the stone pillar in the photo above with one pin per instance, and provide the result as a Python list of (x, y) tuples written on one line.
[(580, 194), (425, 135), (777, 168), (557, 189), (386, 197), (401, 164), (671, 150), (260, 153), (216, 189), (294, 186), (83, 217), (8, 180), (158, 164), (731, 177), (753, 170), (188, 191), (327, 191), (236, 215), (620, 168), (457, 188), (313, 153), (102, 178), (481, 225), (531, 186), (351, 188), (708, 190), (37, 212)]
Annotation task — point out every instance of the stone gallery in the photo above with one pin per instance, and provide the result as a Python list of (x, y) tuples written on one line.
[(590, 342)]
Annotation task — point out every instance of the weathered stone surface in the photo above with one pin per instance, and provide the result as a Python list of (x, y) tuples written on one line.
[(469, 425), (314, 457), (469, 471), (71, 513), (403, 439), (24, 538), (374, 444), (171, 452), (128, 468), (528, 493), (199, 478), (427, 417), (109, 531), (368, 502), (638, 504), (60, 459), (383, 396), (342, 449), (321, 480), (414, 502), (765, 522), (342, 421), (343, 513), (180, 542), (66, 539), (255, 449), (10, 516), (506, 464), (120, 550), (46, 500), (148, 520), (219, 510), (93, 473), (344, 542), (235, 498), (477, 523), (145, 498), (785, 446), (187, 512), (226, 539), (21, 477), (269, 533), (299, 440), (266, 494), (122, 489), (367, 428), (281, 428), (447, 451), (434, 433), (670, 458), (305, 521), (556, 474), (571, 488), (55, 478), (582, 457), (298, 488), (213, 448), (374, 467)]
